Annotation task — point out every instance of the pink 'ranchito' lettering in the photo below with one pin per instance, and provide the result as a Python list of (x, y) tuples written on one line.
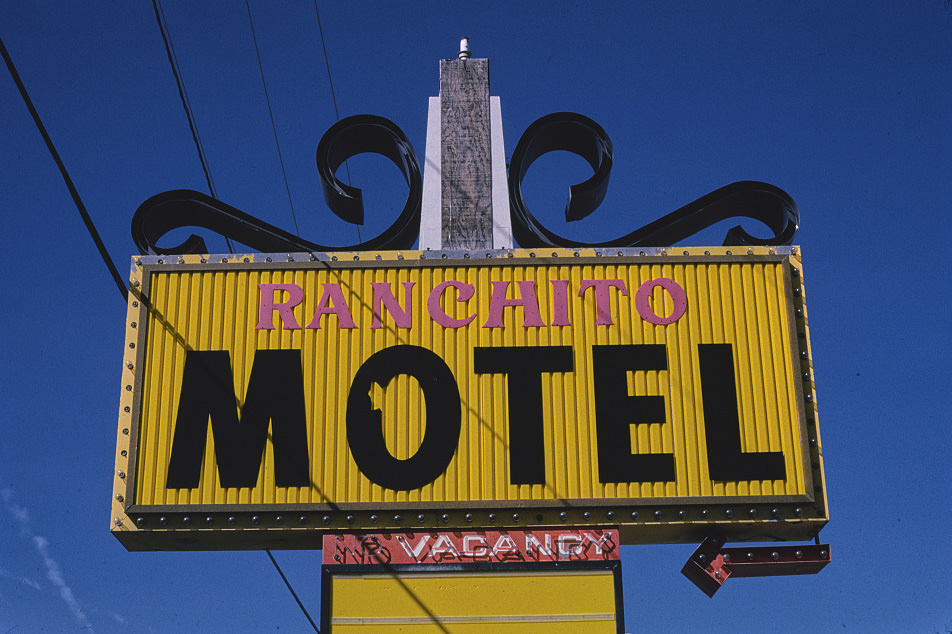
[(333, 294), (384, 298), (529, 303), (560, 303), (464, 292), (267, 306), (643, 303), (603, 301)]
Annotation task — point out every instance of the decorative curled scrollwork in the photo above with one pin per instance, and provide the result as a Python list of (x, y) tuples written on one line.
[(369, 133), (561, 131), (580, 135), (354, 135)]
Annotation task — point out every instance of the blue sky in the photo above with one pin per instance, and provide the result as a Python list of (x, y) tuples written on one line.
[(844, 105)]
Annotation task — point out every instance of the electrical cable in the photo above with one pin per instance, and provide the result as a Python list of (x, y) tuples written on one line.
[(271, 114), (183, 95), (298, 231), (326, 62), (330, 81), (293, 593), (90, 227)]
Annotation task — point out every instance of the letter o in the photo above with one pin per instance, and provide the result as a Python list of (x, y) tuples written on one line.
[(678, 296), (443, 415)]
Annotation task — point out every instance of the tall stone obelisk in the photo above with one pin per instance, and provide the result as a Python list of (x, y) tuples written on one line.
[(465, 192)]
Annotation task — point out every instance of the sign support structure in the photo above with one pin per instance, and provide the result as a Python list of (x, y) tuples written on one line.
[(467, 415)]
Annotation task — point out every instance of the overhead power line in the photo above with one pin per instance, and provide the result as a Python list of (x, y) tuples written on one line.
[(298, 231), (327, 63), (90, 227), (271, 114), (330, 81), (293, 593), (183, 95)]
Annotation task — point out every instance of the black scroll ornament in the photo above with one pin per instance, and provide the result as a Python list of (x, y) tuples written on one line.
[(354, 135), (369, 133), (580, 135)]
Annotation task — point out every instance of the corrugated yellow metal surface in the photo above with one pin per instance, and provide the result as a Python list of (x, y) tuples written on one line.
[(192, 305), (743, 304), (470, 603)]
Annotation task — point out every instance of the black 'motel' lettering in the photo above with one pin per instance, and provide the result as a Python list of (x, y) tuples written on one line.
[(275, 395), (523, 367), (616, 411), (443, 418), (725, 459)]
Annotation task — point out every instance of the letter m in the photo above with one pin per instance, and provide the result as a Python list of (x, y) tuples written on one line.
[(275, 396)]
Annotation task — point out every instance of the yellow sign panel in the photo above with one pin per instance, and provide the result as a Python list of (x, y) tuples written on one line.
[(656, 392), (518, 601)]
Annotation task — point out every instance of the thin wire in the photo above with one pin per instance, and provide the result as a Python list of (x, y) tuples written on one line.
[(173, 61), (183, 95), (271, 114), (327, 64), (293, 593), (298, 231), (90, 227)]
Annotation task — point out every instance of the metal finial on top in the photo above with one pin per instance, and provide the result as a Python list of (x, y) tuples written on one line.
[(464, 48)]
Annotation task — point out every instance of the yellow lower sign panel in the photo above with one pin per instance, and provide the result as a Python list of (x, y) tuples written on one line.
[(267, 401), (528, 601)]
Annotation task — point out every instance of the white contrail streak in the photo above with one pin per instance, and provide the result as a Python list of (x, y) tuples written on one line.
[(55, 575), (53, 572), (6, 574)]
